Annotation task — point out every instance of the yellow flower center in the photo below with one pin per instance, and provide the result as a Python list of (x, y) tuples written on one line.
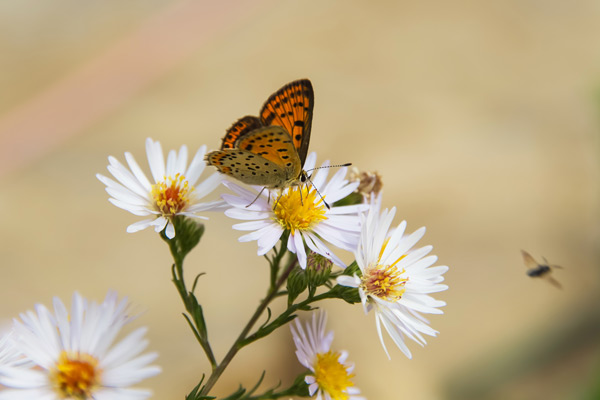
[(172, 195), (384, 282), (332, 376), (75, 376), (299, 209)]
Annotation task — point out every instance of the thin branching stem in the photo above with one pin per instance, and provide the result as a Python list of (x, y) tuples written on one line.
[(240, 342), (179, 282)]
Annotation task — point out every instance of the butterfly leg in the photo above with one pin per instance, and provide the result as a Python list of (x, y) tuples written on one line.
[(278, 198), (257, 196)]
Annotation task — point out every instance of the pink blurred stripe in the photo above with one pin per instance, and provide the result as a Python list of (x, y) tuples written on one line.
[(90, 93)]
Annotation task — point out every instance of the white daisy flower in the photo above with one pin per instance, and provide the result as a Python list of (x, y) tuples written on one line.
[(74, 355), (396, 280), (174, 192), (331, 376), (300, 210)]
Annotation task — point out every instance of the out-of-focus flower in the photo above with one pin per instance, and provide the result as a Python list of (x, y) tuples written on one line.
[(331, 375), (73, 355), (175, 190)]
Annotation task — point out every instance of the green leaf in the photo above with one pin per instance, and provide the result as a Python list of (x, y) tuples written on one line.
[(195, 395), (298, 388), (352, 199), (237, 395), (198, 315), (267, 329)]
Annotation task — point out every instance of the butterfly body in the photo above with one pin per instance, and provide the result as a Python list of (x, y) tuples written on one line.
[(270, 150)]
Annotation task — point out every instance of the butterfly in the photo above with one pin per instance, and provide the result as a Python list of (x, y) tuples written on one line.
[(270, 150), (535, 269)]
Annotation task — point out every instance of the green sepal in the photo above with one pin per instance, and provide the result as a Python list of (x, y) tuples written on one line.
[(318, 270), (347, 293), (300, 387), (188, 233), (296, 284), (352, 270)]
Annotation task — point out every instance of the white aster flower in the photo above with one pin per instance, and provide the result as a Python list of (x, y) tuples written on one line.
[(300, 211), (396, 280), (174, 191), (74, 355), (331, 376)]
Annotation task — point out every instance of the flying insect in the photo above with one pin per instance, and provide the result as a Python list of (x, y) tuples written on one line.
[(538, 270)]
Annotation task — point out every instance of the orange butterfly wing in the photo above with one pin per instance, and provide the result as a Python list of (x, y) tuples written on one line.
[(240, 128), (291, 107), (274, 144)]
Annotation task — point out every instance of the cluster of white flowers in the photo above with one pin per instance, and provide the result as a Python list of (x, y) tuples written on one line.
[(396, 279)]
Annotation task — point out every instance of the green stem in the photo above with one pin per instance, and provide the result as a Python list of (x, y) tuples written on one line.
[(189, 303), (286, 316), (240, 341), (277, 258)]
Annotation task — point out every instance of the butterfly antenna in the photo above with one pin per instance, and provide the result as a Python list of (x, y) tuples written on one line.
[(317, 190), (306, 177), (257, 196), (329, 166)]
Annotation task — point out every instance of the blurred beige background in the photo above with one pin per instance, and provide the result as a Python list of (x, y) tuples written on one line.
[(482, 118)]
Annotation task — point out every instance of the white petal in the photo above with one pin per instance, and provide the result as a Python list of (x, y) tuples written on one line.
[(135, 210), (350, 281), (28, 394), (298, 246), (170, 232), (252, 225), (238, 213), (319, 247), (269, 239), (137, 172), (156, 160), (208, 185), (181, 161), (138, 226), (218, 205), (125, 177), (196, 166)]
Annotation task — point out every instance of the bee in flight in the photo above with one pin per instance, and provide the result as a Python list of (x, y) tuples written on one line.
[(536, 270)]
